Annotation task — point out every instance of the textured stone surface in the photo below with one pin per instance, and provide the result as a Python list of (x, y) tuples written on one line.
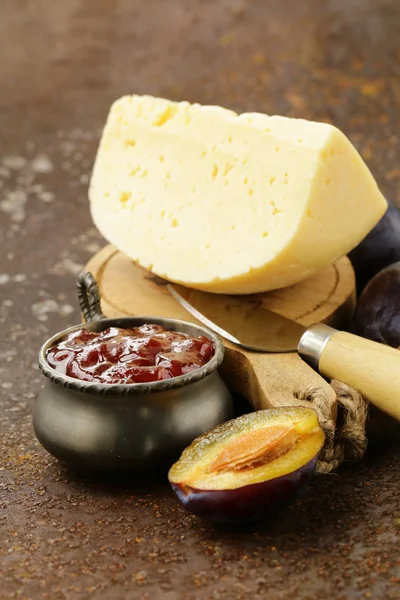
[(61, 65)]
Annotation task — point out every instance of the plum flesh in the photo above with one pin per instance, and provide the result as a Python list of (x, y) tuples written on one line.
[(377, 314), (243, 469)]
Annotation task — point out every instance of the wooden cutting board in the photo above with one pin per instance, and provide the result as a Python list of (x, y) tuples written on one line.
[(264, 379)]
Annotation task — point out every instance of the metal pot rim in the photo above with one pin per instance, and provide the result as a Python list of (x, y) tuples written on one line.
[(133, 388)]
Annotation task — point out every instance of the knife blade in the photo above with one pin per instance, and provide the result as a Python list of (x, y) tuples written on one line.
[(241, 321), (371, 368)]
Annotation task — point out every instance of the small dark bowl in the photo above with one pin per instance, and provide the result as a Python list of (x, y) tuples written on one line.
[(127, 426)]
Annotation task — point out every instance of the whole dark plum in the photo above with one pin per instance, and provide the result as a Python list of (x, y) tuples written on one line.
[(245, 468), (377, 314), (379, 249)]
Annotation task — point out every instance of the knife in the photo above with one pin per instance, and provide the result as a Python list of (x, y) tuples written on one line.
[(371, 368)]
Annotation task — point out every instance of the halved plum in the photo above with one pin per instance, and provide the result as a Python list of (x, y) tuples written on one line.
[(244, 468)]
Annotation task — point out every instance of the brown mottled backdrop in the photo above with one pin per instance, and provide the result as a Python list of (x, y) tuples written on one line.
[(61, 65)]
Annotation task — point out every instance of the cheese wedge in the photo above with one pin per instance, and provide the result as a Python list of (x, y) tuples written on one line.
[(228, 203)]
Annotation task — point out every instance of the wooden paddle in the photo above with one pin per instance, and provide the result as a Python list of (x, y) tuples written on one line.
[(265, 380)]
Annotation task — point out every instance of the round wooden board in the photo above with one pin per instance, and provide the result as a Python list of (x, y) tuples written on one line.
[(127, 289), (264, 379)]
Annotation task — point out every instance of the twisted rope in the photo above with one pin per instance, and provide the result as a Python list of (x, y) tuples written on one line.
[(345, 437)]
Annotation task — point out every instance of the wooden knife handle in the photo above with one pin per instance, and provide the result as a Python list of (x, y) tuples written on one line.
[(371, 368)]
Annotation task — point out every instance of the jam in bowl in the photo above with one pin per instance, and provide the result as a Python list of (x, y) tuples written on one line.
[(139, 355), (127, 393)]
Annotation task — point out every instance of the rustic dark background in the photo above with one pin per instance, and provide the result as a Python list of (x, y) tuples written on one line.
[(62, 63)]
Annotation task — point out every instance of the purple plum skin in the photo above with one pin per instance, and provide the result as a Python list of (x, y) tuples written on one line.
[(377, 314), (248, 503), (379, 249)]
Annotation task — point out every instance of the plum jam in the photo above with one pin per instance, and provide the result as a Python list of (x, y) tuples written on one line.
[(143, 354)]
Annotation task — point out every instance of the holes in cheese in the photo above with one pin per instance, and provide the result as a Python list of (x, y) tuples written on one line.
[(255, 202)]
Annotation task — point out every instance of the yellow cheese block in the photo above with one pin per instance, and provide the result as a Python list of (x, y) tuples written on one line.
[(228, 203)]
